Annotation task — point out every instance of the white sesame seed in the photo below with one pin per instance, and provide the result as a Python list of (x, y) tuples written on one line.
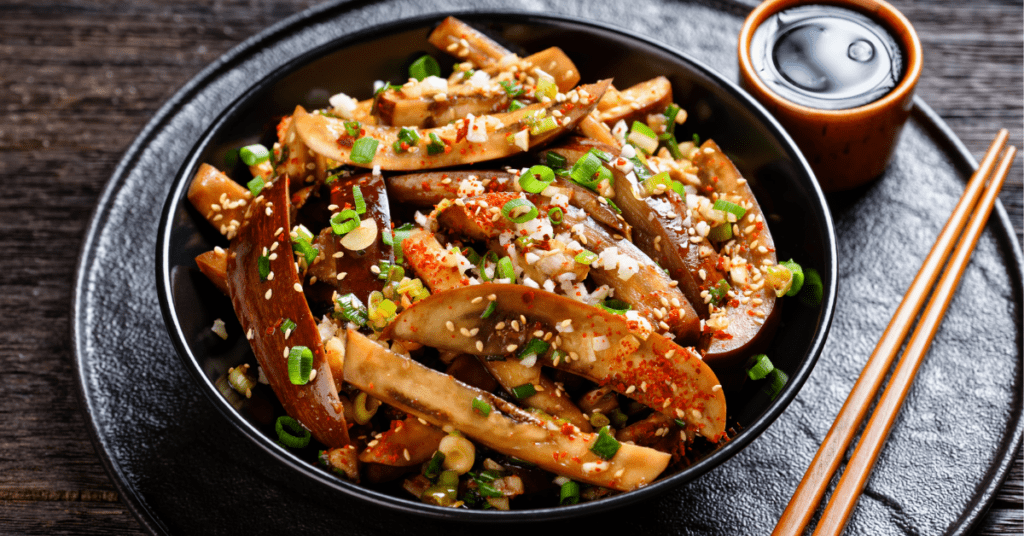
[(450, 325), (479, 346), (297, 287), (270, 292)]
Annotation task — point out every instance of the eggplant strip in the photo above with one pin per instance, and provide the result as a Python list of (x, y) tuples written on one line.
[(635, 102), (751, 315), (508, 374), (651, 291), (407, 443), (447, 403), (354, 257), (261, 304), (466, 43), (214, 265), (437, 267), (395, 108), (430, 188), (219, 199), (638, 363), (328, 136)]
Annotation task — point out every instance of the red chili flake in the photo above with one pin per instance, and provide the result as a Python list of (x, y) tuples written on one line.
[(567, 429), (734, 303), (722, 335), (447, 149), (528, 298)]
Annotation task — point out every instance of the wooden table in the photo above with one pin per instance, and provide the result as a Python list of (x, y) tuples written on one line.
[(80, 79)]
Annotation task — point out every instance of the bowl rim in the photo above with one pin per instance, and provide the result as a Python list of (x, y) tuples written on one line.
[(712, 460)]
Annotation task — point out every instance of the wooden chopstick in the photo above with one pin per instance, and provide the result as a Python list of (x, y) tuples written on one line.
[(812, 488), (845, 496)]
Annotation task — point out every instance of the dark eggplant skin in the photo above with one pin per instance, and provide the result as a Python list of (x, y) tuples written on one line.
[(262, 304), (359, 279)]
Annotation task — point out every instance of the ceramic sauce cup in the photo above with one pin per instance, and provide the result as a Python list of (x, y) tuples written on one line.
[(839, 75)]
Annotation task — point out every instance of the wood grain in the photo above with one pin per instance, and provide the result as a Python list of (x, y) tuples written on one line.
[(81, 78)]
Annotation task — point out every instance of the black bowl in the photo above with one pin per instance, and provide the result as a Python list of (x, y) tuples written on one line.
[(799, 217)]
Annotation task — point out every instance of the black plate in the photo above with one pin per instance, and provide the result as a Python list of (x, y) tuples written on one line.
[(800, 223), (181, 470)]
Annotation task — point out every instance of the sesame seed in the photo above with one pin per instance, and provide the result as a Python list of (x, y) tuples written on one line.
[(341, 275), (630, 389), (492, 297), (338, 254), (479, 346), (643, 386), (273, 256), (297, 287), (511, 348), (450, 325), (539, 333), (375, 269), (249, 334), (477, 299), (270, 276), (464, 332), (499, 326), (270, 292)]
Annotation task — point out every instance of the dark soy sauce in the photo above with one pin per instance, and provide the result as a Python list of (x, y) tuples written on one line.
[(826, 57)]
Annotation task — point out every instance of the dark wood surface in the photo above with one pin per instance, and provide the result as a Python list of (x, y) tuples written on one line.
[(81, 78)]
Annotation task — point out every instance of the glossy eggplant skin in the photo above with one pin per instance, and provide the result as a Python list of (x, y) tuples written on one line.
[(356, 264), (263, 302), (638, 363)]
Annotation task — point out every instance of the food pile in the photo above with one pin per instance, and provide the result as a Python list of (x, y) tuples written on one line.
[(497, 284)]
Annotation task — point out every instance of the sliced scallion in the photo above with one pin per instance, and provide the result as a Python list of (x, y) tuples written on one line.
[(302, 246), (491, 307), (351, 308), (759, 366), (263, 267), (360, 202), (730, 208), (505, 270), (569, 493), (545, 88), (344, 221), (813, 290), (256, 186), (436, 145), (614, 306), (555, 160), (525, 390), (798, 277), (287, 325), (519, 210), (363, 150), (300, 364), (432, 469), (776, 381), (721, 232), (556, 216), (585, 168), (511, 89), (536, 179), (291, 433), (537, 347), (254, 154), (606, 445), (586, 257), (352, 128), (481, 406), (423, 67)]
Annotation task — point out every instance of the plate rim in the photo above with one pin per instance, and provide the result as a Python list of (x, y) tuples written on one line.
[(959, 155)]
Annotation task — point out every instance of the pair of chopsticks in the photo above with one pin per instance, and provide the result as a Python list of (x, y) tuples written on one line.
[(812, 488)]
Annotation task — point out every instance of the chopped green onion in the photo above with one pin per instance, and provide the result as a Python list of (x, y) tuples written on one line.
[(605, 157), (471, 255), (586, 257), (558, 356), (491, 257), (433, 468), (523, 242), (525, 390), (721, 232), (673, 147), (481, 406), (424, 67), (556, 216), (363, 150), (679, 188), (436, 145), (720, 291), (491, 307), (812, 290), (505, 270), (287, 325), (585, 168), (776, 381), (409, 136), (614, 306), (352, 128), (780, 278), (641, 136), (537, 347), (555, 160), (511, 89), (516, 105), (300, 364), (541, 125), (519, 210), (670, 115), (395, 239), (291, 433), (598, 419), (303, 232), (730, 208), (656, 184), (798, 276), (256, 186), (254, 154), (231, 159), (545, 88), (618, 418), (352, 309), (302, 245), (613, 206), (384, 88), (357, 195), (605, 446), (759, 366), (536, 179), (344, 221), (569, 494), (696, 139), (263, 266), (332, 178), (365, 407)]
